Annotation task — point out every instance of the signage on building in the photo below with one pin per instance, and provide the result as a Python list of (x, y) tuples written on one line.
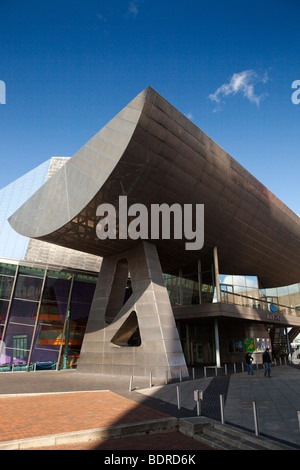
[(273, 316)]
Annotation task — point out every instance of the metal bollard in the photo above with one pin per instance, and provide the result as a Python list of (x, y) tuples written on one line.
[(198, 397), (298, 414), (193, 372), (222, 408), (225, 369), (234, 368), (255, 418), (178, 396), (130, 383), (150, 379), (205, 372)]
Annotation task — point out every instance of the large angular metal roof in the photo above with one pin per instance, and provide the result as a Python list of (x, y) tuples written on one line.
[(154, 154)]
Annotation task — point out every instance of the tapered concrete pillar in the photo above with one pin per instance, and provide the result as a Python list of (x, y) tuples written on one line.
[(217, 274), (140, 336)]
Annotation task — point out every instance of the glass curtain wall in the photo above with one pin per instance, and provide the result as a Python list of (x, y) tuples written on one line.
[(190, 287), (43, 316), (82, 293), (286, 295)]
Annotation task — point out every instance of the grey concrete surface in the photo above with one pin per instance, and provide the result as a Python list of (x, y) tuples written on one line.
[(277, 398)]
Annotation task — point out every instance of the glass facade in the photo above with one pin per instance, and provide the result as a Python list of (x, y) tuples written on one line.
[(43, 316), (191, 287), (12, 196), (199, 287)]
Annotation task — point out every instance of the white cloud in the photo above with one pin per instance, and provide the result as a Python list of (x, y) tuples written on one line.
[(242, 82), (189, 116), (133, 9)]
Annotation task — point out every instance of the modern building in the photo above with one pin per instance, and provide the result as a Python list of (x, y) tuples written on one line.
[(12, 244), (43, 315), (159, 306), (45, 290), (16, 246)]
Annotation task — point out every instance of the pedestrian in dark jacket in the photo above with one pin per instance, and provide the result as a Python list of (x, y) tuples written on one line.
[(248, 360), (267, 362)]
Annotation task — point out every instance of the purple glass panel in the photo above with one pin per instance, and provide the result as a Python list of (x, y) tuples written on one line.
[(16, 331), (79, 312), (3, 310), (23, 312), (56, 290), (44, 356), (83, 291)]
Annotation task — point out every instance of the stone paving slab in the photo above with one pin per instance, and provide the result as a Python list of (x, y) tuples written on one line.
[(168, 393), (277, 401)]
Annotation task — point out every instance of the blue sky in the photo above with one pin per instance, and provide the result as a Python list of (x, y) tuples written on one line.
[(69, 66)]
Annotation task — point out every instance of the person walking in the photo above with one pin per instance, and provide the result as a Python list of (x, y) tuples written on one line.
[(267, 362), (248, 360)]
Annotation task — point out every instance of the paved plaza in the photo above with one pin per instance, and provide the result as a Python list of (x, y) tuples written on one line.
[(46, 403)]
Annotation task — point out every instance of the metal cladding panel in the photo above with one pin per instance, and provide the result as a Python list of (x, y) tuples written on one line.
[(153, 154)]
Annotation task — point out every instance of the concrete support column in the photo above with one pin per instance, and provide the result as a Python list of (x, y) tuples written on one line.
[(217, 343), (200, 281), (106, 347), (217, 274)]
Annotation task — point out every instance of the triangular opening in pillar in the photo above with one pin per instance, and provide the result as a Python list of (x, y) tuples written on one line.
[(120, 291), (129, 333)]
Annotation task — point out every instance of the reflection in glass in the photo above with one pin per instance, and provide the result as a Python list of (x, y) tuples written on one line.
[(28, 288), (8, 269), (3, 311), (77, 316), (6, 283), (17, 344)]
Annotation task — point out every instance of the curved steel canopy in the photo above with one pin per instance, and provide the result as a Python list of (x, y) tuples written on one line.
[(154, 154)]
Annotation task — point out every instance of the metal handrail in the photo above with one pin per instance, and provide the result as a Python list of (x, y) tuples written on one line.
[(256, 303)]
